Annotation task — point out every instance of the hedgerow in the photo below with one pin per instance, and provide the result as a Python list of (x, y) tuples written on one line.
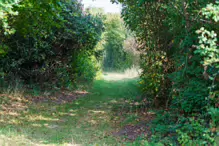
[(178, 41), (40, 40)]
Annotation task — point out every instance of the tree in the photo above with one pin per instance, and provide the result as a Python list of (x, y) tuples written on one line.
[(48, 37), (115, 56), (177, 64)]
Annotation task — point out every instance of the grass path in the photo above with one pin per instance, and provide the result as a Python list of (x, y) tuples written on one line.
[(89, 120)]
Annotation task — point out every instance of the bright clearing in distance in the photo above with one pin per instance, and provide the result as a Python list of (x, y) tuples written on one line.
[(105, 4)]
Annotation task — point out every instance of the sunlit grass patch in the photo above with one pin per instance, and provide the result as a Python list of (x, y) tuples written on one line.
[(89, 120)]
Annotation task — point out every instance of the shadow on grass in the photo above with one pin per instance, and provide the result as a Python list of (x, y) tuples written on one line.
[(88, 120)]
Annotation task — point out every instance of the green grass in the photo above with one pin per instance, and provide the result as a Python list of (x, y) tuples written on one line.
[(89, 120)]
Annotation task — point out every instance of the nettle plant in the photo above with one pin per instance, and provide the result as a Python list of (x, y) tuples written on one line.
[(6, 9), (211, 11), (209, 50), (207, 47)]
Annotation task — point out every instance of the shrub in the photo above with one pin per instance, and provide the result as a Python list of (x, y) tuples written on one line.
[(179, 55), (87, 67), (48, 37)]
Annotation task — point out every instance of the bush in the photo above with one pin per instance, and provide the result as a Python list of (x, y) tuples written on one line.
[(49, 35), (179, 57), (116, 58), (87, 67)]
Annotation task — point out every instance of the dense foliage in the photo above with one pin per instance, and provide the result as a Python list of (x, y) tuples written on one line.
[(41, 41), (178, 41), (116, 58), (56, 42)]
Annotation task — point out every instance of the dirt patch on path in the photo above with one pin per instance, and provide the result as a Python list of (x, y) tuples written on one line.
[(142, 129), (59, 97), (13, 103), (132, 132)]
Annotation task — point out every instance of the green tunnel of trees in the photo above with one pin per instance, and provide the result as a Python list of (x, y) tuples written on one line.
[(56, 41)]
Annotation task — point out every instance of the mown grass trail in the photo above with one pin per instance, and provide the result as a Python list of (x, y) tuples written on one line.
[(90, 120)]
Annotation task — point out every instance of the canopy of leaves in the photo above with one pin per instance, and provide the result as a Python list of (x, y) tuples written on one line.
[(47, 36), (116, 57)]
